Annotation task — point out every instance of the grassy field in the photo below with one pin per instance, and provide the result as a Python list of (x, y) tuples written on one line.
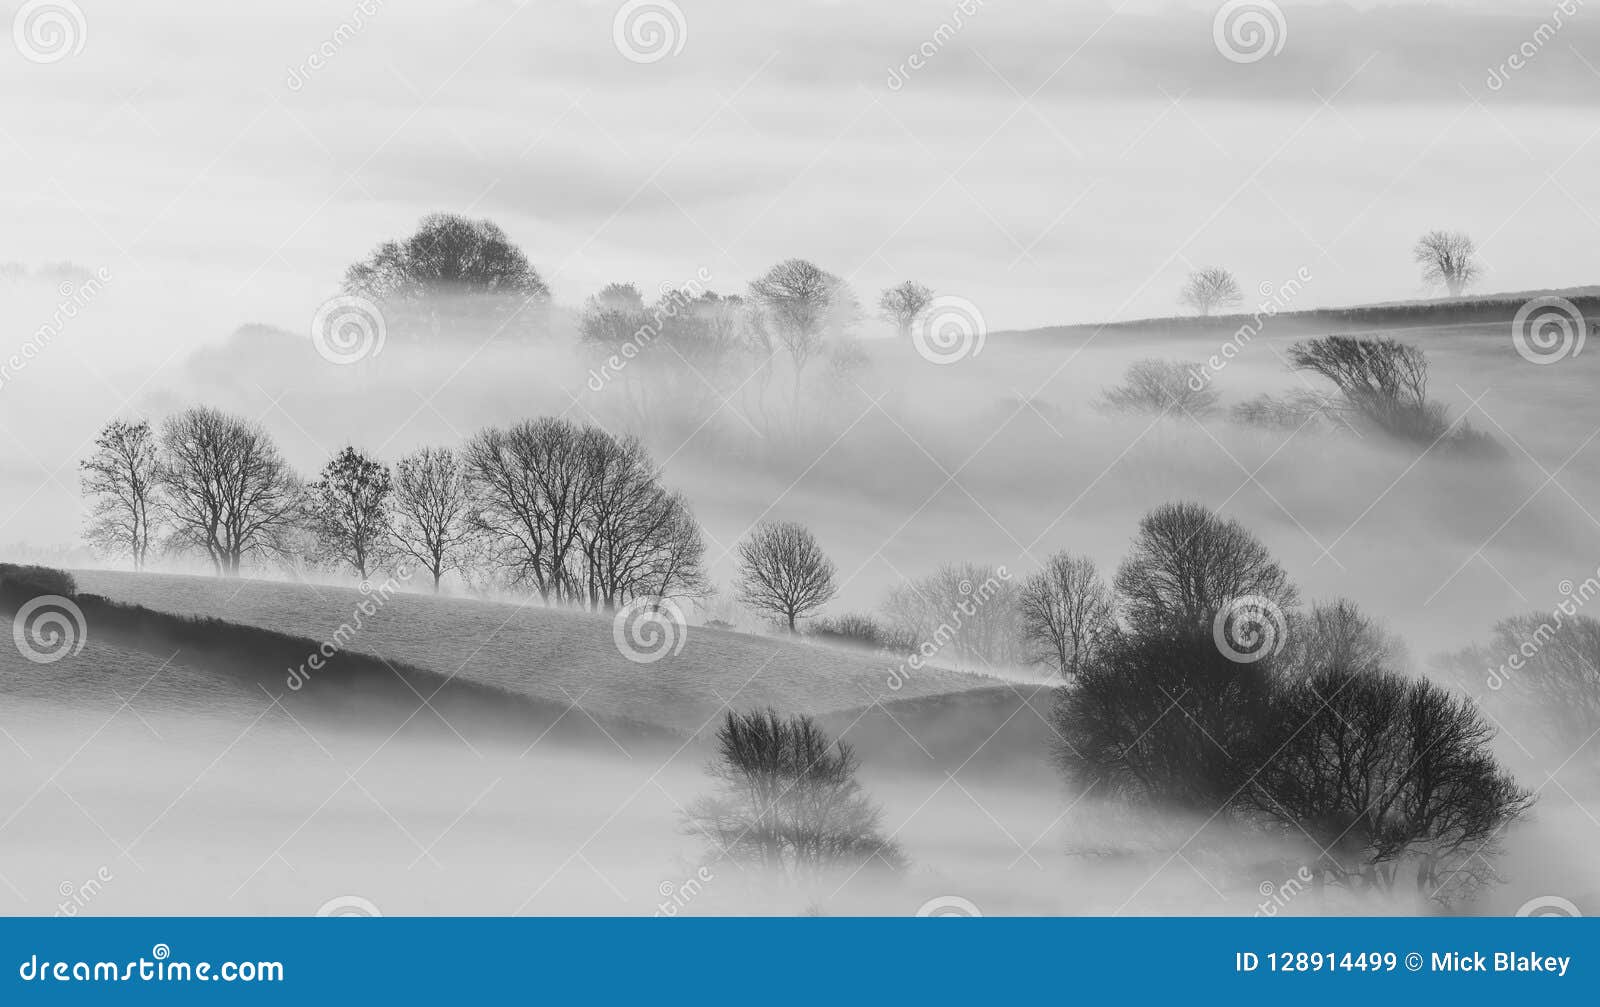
[(554, 655)]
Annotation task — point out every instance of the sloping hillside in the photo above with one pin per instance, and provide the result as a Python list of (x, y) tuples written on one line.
[(556, 656)]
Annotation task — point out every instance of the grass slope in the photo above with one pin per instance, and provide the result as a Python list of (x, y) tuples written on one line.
[(561, 657)]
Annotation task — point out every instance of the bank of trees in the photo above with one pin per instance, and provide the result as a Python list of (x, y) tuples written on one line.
[(1302, 726), (564, 510)]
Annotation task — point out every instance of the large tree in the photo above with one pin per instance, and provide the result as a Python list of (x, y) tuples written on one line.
[(904, 304), (452, 273), (1067, 613), (430, 509), (1448, 259), (122, 478), (229, 493), (801, 304), (1187, 563), (784, 572), (347, 506), (1210, 288), (788, 801)]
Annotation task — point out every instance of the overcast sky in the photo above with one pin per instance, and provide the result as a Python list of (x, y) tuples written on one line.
[(1052, 162)]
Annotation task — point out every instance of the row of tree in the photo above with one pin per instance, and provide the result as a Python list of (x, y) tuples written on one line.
[(568, 511)]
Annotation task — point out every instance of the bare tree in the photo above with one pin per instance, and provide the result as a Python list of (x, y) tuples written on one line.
[(967, 613), (581, 516), (1067, 612), (1380, 771), (451, 272), (802, 302), (783, 572), (230, 495), (347, 508), (1187, 563), (1383, 383), (1210, 288), (1447, 258), (121, 478), (904, 304), (788, 801), (1155, 386), (430, 510)]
